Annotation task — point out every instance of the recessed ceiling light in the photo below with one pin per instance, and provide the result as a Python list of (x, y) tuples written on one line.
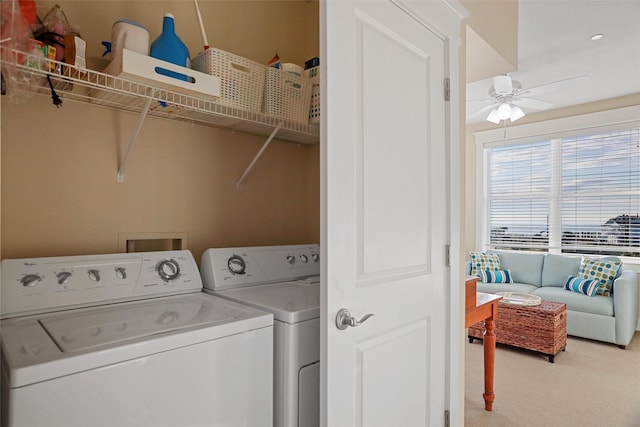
[(596, 36)]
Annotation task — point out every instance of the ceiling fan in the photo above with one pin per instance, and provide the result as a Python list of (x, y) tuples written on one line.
[(507, 98)]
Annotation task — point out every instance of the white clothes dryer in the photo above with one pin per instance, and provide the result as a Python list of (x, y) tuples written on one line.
[(283, 280), (129, 340)]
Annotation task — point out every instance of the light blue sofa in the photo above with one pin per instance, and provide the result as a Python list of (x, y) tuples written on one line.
[(604, 318)]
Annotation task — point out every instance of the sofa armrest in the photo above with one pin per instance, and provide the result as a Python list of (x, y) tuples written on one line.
[(625, 306)]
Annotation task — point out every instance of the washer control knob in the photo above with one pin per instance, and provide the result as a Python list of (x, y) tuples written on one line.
[(237, 265), (291, 259), (315, 257), (30, 280), (121, 272), (63, 277), (94, 275), (304, 258), (168, 269)]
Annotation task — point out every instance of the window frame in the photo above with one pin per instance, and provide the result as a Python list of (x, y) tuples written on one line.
[(567, 127)]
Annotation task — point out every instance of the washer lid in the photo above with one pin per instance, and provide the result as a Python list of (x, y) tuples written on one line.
[(289, 302), (42, 347), (116, 324)]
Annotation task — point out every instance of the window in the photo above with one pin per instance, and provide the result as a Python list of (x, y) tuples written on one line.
[(573, 194)]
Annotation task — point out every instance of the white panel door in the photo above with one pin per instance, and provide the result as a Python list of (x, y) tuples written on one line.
[(384, 208)]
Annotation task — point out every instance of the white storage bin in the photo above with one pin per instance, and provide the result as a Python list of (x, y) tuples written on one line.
[(242, 80), (287, 95)]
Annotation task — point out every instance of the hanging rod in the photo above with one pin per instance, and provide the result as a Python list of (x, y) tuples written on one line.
[(255, 159)]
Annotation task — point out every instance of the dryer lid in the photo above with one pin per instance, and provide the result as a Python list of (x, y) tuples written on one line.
[(290, 302)]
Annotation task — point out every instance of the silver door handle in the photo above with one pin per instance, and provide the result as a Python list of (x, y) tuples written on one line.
[(344, 319)]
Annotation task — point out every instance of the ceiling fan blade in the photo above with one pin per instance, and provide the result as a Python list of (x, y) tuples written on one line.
[(552, 87), (481, 111), (535, 104), (502, 85)]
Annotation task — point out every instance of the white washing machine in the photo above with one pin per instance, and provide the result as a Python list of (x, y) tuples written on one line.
[(283, 280), (129, 340)]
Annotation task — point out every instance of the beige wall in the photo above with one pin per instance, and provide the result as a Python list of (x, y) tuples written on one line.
[(59, 190), (491, 38)]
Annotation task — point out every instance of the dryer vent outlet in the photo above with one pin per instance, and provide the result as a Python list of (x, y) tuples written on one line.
[(151, 242)]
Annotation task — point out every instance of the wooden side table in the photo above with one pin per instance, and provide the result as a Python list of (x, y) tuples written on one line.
[(486, 309)]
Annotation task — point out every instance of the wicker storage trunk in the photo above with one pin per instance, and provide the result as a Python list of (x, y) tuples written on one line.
[(541, 328)]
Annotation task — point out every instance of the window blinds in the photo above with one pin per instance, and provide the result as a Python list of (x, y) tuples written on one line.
[(578, 194)]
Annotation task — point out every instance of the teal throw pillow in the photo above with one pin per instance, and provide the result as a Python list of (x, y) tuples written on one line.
[(498, 276), (582, 286)]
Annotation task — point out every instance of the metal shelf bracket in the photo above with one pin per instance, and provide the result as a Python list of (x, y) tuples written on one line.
[(257, 156), (134, 138)]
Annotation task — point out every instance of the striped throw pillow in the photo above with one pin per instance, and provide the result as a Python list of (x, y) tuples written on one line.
[(499, 276), (582, 285)]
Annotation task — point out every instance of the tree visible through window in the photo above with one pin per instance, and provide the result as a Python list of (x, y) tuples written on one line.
[(572, 195)]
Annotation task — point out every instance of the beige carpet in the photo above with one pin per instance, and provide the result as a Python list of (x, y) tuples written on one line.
[(590, 384)]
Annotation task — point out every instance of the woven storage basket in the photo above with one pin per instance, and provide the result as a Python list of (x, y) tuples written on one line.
[(314, 111), (541, 328), (241, 80), (287, 95)]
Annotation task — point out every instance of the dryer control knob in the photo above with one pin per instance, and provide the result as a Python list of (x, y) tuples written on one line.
[(236, 264), (304, 258), (315, 257), (291, 259)]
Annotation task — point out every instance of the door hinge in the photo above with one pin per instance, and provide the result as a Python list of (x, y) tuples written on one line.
[(447, 89), (447, 256), (447, 421)]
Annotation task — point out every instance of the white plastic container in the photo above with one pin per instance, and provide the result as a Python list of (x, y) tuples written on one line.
[(127, 34)]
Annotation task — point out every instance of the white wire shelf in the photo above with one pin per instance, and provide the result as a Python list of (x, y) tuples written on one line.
[(104, 90)]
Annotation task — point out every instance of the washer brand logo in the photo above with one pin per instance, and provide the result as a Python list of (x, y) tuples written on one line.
[(30, 264), (151, 284)]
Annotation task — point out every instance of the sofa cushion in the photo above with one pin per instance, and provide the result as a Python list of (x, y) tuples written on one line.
[(581, 285), (498, 276), (481, 261), (556, 269), (598, 304), (525, 267), (603, 271), (492, 288)]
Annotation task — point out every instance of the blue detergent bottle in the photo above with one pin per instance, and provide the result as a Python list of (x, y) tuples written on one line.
[(168, 47)]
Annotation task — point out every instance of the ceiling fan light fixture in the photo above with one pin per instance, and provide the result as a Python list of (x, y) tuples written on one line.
[(516, 113), (493, 116), (504, 111)]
